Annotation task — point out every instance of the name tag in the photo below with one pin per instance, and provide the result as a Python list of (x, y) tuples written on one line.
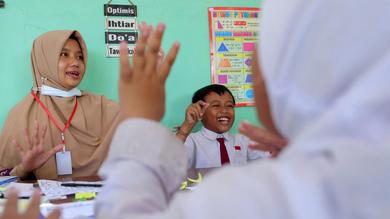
[(64, 163)]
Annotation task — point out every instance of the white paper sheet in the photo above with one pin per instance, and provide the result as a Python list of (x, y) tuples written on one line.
[(53, 189), (80, 209), (24, 189)]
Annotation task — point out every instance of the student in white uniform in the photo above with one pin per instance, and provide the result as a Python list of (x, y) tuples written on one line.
[(213, 146), (325, 67)]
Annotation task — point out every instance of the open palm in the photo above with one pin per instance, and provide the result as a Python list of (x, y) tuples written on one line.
[(33, 154)]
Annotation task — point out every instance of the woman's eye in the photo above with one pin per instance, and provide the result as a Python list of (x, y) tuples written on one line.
[(80, 57), (64, 54)]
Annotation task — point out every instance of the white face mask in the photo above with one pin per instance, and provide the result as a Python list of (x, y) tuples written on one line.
[(51, 91)]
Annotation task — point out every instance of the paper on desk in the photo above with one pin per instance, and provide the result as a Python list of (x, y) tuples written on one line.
[(22, 205), (53, 189), (71, 209), (24, 189)]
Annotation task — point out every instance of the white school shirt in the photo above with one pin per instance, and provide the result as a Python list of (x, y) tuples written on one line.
[(203, 149), (143, 176)]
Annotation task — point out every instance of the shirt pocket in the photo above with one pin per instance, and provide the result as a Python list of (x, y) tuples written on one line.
[(239, 156)]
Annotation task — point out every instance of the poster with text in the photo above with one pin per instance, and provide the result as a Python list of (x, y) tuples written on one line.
[(233, 36)]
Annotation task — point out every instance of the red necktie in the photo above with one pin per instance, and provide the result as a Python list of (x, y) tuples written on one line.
[(224, 154)]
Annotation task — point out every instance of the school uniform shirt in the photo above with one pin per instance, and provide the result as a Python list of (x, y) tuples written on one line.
[(203, 149), (143, 175)]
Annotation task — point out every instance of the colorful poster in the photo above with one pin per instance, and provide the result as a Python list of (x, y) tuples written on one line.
[(233, 36)]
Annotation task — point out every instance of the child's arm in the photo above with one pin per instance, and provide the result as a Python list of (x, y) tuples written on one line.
[(194, 113)]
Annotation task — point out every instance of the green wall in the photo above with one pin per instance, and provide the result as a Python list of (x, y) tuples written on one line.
[(21, 21)]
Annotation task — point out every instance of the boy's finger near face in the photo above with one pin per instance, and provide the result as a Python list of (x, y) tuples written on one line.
[(204, 107)]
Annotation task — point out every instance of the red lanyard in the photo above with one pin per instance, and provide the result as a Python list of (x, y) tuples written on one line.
[(52, 118)]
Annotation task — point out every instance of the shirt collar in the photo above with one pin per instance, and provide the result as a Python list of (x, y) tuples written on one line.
[(51, 91), (213, 135)]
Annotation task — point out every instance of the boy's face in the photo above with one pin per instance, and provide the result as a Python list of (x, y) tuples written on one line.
[(219, 115)]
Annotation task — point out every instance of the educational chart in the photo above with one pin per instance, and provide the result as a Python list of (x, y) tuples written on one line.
[(233, 36)]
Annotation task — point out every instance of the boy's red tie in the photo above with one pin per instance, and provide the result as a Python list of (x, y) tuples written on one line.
[(223, 151)]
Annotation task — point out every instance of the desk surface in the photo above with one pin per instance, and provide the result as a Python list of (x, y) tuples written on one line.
[(69, 207), (71, 198)]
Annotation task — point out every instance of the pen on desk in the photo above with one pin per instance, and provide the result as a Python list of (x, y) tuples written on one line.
[(80, 185)]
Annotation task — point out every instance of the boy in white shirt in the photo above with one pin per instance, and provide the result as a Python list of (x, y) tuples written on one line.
[(213, 146)]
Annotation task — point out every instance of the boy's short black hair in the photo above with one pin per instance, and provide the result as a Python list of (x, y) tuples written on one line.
[(216, 88)]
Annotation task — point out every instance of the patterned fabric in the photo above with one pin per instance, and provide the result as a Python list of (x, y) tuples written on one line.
[(5, 172)]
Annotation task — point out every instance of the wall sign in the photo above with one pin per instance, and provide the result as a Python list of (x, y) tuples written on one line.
[(120, 10), (120, 25), (233, 36)]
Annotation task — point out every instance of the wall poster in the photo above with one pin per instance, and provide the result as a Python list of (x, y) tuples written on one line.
[(233, 37)]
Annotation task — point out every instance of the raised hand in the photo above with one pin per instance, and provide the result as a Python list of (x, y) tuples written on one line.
[(33, 154), (142, 85), (32, 212), (194, 113), (144, 27), (265, 140)]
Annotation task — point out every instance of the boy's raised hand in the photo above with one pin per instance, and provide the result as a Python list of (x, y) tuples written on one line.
[(194, 113), (142, 85)]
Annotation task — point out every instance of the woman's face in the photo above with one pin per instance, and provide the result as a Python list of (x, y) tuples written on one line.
[(71, 66)]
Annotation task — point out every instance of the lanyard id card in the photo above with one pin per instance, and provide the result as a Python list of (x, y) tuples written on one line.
[(64, 162), (63, 158)]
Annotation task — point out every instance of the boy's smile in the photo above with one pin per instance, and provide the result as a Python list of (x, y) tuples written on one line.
[(219, 115)]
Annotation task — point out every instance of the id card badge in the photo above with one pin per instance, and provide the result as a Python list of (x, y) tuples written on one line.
[(64, 163)]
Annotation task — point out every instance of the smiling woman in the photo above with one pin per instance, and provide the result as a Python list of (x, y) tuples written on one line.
[(71, 66), (79, 124)]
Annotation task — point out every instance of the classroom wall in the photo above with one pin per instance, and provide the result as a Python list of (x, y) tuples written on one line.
[(22, 21)]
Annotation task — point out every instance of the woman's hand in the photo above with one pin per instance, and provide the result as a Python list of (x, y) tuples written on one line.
[(32, 212), (33, 154), (265, 140)]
